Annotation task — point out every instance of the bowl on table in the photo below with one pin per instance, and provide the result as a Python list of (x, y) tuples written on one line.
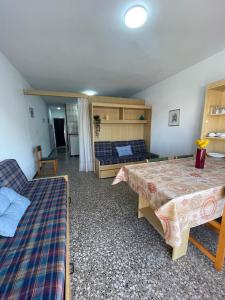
[(216, 154)]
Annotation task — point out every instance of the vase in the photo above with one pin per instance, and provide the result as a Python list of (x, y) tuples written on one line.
[(200, 158)]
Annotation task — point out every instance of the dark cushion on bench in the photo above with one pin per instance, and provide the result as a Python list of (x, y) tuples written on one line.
[(138, 146), (110, 160), (32, 263), (107, 154), (103, 149)]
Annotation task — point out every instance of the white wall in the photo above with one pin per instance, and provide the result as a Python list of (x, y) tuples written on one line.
[(19, 133), (185, 90)]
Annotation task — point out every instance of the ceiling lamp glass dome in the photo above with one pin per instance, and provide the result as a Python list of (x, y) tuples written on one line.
[(136, 17)]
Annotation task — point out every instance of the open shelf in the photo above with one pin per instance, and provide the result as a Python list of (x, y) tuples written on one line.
[(125, 121), (216, 115), (215, 138)]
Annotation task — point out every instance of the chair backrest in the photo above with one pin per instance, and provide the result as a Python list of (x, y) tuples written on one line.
[(11, 175), (158, 159), (38, 153)]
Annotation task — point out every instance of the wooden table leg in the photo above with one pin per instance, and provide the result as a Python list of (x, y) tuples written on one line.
[(142, 202), (182, 249), (220, 252)]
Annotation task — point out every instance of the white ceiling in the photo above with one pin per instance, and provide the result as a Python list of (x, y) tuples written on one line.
[(57, 101), (83, 44)]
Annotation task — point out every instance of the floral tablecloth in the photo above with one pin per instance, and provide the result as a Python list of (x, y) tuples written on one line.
[(181, 195)]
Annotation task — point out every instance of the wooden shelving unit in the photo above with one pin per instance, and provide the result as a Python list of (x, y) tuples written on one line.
[(214, 122), (120, 122)]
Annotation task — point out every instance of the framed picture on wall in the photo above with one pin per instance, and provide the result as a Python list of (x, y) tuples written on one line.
[(31, 110), (174, 117)]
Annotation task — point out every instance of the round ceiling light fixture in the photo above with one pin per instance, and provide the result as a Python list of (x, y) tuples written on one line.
[(89, 92), (58, 107), (136, 16)]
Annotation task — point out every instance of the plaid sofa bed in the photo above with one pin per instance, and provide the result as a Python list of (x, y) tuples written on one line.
[(32, 263), (107, 154)]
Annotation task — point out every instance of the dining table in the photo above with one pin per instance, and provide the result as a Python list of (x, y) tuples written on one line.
[(174, 196)]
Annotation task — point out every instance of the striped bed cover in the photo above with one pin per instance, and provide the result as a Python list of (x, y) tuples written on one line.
[(32, 263)]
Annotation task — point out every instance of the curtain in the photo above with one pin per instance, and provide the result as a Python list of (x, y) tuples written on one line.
[(85, 145)]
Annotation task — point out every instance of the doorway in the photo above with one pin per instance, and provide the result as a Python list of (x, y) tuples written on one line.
[(59, 125)]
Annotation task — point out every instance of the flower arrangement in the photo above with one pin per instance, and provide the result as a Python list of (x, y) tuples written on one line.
[(201, 153), (202, 143)]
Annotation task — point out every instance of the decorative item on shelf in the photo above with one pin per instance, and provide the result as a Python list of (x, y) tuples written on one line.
[(212, 110), (97, 123), (107, 117), (201, 153), (141, 117), (216, 110)]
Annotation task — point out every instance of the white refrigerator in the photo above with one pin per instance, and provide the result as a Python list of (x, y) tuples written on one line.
[(74, 144)]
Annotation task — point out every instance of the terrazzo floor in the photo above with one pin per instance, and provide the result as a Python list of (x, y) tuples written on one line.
[(118, 256)]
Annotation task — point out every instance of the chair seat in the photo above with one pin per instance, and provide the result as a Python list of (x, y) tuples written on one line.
[(48, 158)]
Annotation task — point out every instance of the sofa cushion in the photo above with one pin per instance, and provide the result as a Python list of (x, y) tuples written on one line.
[(4, 203), (11, 217), (138, 146), (118, 144), (11, 175), (124, 151), (110, 160), (103, 149)]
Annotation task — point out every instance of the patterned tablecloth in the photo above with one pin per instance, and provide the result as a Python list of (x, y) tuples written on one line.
[(181, 195)]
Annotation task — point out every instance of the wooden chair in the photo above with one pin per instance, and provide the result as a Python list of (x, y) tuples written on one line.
[(157, 159), (218, 259), (184, 156), (45, 160)]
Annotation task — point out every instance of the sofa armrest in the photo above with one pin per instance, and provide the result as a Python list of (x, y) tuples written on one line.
[(52, 177), (151, 155)]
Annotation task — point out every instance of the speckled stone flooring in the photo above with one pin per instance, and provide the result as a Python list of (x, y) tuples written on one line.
[(118, 256)]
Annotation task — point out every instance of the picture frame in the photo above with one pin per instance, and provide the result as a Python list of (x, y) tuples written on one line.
[(31, 110), (174, 117)]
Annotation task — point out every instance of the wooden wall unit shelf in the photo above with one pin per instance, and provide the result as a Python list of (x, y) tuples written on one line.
[(214, 122), (120, 122)]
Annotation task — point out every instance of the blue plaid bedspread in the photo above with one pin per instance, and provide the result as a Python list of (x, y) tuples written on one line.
[(32, 263)]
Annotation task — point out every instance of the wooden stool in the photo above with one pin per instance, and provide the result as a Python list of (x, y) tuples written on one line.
[(218, 259), (45, 160)]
